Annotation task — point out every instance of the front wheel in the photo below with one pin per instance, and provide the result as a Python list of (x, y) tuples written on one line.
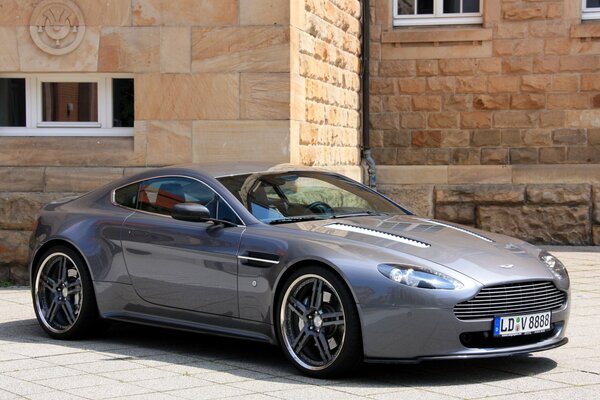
[(63, 294), (317, 323)]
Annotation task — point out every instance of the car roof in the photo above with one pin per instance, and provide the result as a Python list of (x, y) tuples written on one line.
[(218, 170)]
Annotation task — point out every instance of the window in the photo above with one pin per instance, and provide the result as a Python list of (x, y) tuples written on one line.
[(591, 9), (437, 12), (66, 105), (160, 195)]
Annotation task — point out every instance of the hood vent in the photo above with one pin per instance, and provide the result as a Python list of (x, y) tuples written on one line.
[(379, 234), (456, 228)]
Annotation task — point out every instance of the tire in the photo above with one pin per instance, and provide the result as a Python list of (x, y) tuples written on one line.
[(317, 323), (72, 315)]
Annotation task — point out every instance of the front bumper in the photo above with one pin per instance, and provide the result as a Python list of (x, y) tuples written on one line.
[(393, 334)]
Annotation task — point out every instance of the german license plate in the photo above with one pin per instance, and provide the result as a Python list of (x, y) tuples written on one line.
[(522, 324)]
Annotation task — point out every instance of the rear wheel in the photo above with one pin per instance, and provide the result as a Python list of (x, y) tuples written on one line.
[(63, 294), (317, 323)]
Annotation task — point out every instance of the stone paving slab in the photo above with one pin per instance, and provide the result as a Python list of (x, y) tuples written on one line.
[(133, 362)]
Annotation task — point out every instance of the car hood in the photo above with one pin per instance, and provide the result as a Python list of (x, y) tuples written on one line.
[(486, 257)]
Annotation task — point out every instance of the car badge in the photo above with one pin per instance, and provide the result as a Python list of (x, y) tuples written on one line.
[(506, 266)]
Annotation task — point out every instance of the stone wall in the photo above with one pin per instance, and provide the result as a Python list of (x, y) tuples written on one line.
[(513, 102), (325, 68)]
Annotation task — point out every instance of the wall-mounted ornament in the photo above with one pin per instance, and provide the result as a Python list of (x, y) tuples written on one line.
[(57, 26)]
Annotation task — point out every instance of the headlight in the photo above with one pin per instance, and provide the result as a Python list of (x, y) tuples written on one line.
[(418, 277), (556, 267)]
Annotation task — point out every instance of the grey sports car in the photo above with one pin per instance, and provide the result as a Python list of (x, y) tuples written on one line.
[(333, 272)]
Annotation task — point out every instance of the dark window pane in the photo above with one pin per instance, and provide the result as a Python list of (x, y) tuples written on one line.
[(127, 196), (12, 102), (470, 6), (425, 7), (451, 6), (123, 103), (162, 194), (592, 3), (70, 102), (406, 7)]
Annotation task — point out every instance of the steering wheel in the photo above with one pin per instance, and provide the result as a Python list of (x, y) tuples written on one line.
[(319, 207)]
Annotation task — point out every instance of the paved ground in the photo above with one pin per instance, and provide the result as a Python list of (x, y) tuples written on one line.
[(132, 362)]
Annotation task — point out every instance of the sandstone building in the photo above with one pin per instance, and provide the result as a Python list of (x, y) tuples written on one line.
[(481, 112)]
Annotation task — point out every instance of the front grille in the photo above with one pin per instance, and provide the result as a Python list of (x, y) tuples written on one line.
[(511, 299)]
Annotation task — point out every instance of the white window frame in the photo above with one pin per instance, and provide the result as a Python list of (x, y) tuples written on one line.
[(588, 13), (35, 126), (438, 17)]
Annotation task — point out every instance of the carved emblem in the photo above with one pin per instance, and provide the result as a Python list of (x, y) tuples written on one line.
[(57, 26)]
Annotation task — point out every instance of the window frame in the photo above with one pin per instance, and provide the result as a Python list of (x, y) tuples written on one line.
[(140, 182), (589, 13), (438, 17), (35, 126)]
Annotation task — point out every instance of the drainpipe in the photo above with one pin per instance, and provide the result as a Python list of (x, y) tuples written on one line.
[(367, 156)]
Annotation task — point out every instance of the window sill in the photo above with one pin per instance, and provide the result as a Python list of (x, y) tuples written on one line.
[(433, 35), (68, 132)]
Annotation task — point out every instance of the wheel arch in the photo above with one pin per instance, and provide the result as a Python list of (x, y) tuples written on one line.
[(54, 243), (293, 268)]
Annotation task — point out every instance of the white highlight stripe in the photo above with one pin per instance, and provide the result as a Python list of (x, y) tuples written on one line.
[(456, 228), (379, 234), (263, 260)]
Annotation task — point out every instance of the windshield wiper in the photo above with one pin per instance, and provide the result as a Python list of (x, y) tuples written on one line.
[(291, 220), (356, 214)]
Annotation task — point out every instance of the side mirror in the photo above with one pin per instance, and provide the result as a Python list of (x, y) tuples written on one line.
[(190, 212)]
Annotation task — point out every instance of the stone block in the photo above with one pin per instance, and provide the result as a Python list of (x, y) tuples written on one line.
[(479, 174), (385, 156), (563, 194), (397, 68), (466, 157), (447, 119), (481, 194), (521, 13), (456, 138), (236, 141), (515, 119), (83, 59), (590, 155), (412, 175), (241, 49), (459, 213), (438, 156), (594, 137), (21, 179), (411, 85), (186, 13), (583, 118), (426, 138), (175, 49), (590, 82), (130, 49), (494, 156), (546, 64), (14, 250), (528, 101), (441, 84), (416, 198), (539, 224), (265, 96), (537, 137), (556, 174), (596, 235), (511, 137), (536, 83), (475, 120), (264, 12), (187, 97), (457, 102), (596, 203), (168, 142), (9, 53), (459, 66), (481, 138), (503, 84), (519, 65), (427, 67), (79, 179), (524, 155), (384, 121), (569, 136), (396, 103), (565, 83), (471, 84), (557, 46), (411, 156), (427, 103), (552, 119), (491, 102), (106, 13), (395, 139), (77, 151), (414, 120), (381, 86), (568, 101), (553, 155), (489, 66), (18, 211)]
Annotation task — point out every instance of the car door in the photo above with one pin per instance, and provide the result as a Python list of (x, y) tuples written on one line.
[(180, 264)]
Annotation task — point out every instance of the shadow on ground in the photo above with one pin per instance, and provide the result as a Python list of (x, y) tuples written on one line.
[(122, 341)]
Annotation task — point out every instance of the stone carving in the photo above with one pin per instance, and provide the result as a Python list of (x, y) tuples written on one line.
[(57, 26)]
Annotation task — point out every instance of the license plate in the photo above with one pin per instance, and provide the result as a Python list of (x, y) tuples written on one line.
[(522, 324)]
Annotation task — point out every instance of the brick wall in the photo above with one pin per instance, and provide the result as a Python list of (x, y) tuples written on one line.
[(325, 69), (513, 102)]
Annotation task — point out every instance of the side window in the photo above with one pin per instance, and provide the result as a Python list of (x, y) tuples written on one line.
[(160, 195), (127, 196)]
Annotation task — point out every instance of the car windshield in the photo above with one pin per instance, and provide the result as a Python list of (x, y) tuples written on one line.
[(277, 198)]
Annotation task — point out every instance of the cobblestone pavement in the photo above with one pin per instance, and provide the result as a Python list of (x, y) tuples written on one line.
[(133, 362)]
